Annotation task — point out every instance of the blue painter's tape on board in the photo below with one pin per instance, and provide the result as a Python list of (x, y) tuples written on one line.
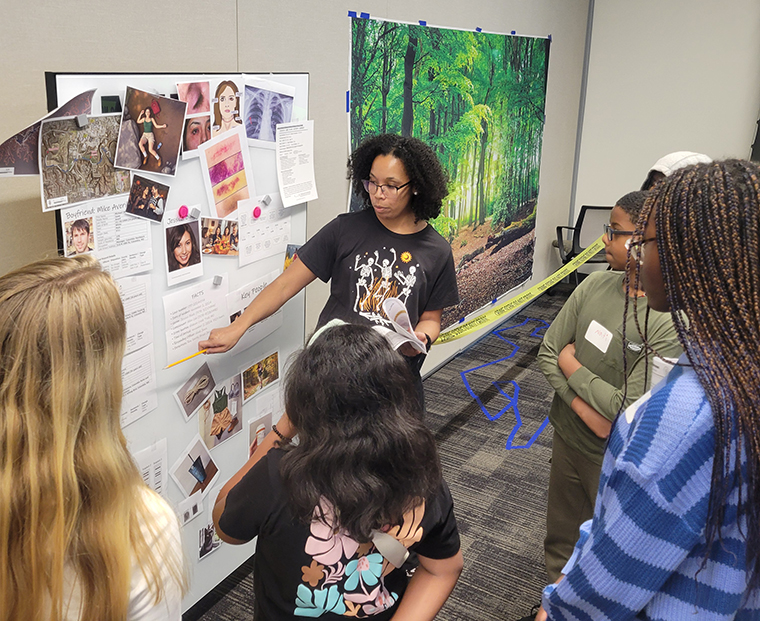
[(364, 15), (423, 22), (352, 13), (348, 101), (478, 29)]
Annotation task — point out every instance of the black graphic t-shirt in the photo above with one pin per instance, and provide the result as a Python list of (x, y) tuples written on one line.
[(366, 263), (317, 571)]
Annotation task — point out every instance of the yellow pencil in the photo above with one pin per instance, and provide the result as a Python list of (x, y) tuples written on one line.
[(174, 364)]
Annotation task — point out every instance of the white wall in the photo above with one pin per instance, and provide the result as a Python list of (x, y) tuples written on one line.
[(258, 35), (666, 75)]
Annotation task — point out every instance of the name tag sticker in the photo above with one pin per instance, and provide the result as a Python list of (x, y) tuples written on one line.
[(599, 336)]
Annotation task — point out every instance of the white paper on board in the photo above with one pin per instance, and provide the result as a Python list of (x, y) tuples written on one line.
[(295, 162), (190, 314), (138, 374), (121, 244), (266, 235), (238, 301), (190, 508), (136, 298), (153, 463)]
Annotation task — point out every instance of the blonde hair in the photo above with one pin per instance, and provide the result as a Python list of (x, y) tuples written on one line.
[(70, 495)]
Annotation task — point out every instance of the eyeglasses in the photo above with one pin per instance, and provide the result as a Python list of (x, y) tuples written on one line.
[(385, 190), (637, 248), (610, 233)]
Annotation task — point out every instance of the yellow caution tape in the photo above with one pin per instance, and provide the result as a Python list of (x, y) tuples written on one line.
[(497, 313)]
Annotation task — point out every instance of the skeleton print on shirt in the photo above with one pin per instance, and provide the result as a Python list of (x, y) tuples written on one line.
[(380, 275)]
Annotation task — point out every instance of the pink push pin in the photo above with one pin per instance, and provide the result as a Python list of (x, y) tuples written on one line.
[(183, 212), (256, 211)]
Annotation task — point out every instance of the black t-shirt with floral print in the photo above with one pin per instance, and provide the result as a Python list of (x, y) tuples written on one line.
[(313, 571)]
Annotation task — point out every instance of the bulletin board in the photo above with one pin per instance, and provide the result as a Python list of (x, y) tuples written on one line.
[(184, 405)]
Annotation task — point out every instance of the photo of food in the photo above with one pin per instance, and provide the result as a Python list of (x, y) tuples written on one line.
[(219, 236)]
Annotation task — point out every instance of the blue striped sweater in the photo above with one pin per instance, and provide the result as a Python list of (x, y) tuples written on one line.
[(639, 557)]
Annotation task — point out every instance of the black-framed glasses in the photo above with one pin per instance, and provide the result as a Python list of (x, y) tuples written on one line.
[(385, 190), (610, 233), (637, 247)]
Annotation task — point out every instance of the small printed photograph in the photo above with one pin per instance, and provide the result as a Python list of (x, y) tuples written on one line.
[(194, 391), (110, 103), (196, 96), (76, 165), (208, 540), (183, 251), (147, 198), (220, 236), (150, 133), (219, 418), (190, 508), (226, 165), (80, 236), (195, 471), (258, 429), (291, 254), (197, 131), (226, 102), (267, 103), (260, 375)]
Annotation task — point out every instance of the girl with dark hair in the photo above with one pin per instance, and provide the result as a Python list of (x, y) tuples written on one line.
[(387, 249), (676, 527), (336, 514), (182, 248)]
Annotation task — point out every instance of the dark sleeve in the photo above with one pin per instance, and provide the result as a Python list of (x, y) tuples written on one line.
[(444, 292), (320, 252), (440, 537), (249, 502)]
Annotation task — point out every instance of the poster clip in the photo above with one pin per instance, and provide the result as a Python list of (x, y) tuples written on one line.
[(478, 29), (352, 13), (364, 15), (82, 120), (218, 280), (423, 22), (550, 37)]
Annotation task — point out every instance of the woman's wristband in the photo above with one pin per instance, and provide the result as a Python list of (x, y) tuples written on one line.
[(429, 341), (279, 434)]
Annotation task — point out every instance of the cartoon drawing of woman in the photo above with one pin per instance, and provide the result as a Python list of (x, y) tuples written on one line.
[(226, 108), (149, 124)]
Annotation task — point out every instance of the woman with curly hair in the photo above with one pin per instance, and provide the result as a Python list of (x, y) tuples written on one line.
[(385, 250), (336, 514), (676, 527), (81, 536)]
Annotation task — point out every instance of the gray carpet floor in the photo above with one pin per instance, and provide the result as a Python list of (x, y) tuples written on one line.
[(487, 407)]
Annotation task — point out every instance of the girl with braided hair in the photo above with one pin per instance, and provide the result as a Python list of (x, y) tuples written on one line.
[(676, 527)]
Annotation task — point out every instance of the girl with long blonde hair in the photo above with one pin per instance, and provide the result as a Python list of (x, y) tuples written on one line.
[(81, 536)]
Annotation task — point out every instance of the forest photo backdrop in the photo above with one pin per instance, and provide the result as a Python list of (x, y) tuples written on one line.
[(477, 99)]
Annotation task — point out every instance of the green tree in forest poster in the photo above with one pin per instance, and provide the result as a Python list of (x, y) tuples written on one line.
[(478, 100)]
